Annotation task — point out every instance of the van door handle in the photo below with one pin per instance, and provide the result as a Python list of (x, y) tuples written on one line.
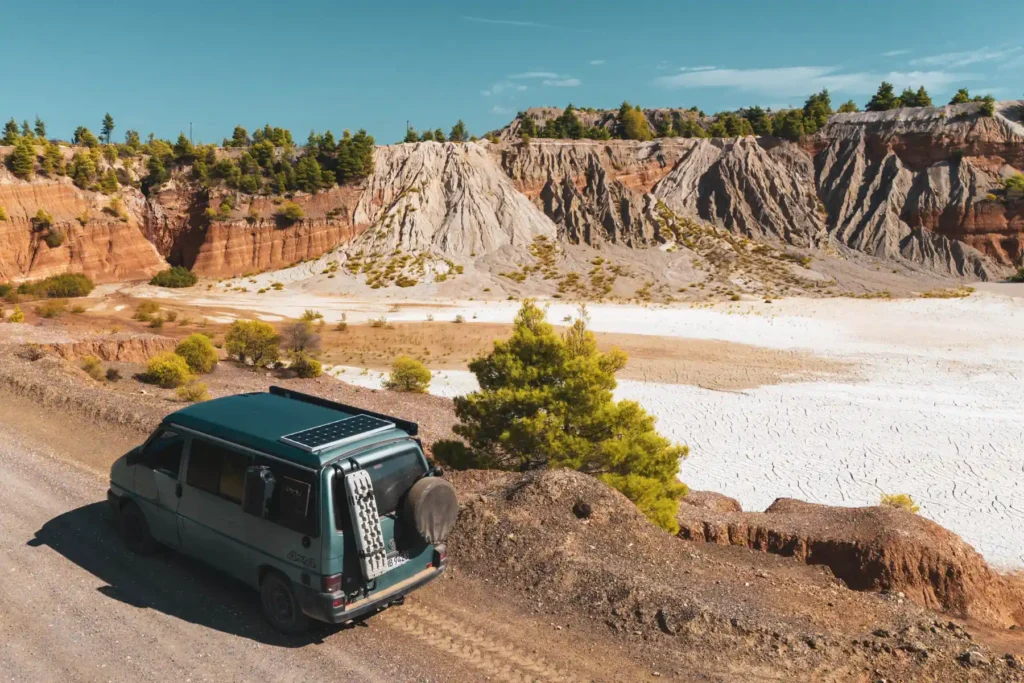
[(177, 490)]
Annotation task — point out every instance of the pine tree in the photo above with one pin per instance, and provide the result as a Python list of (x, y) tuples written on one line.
[(410, 135), (527, 125), (132, 140), (459, 132), (22, 161), (439, 135), (923, 98), (84, 136), (817, 109), (848, 107), (545, 400), (40, 128), (883, 100), (427, 136), (26, 130), (632, 123), (108, 183), (10, 133), (184, 152), (961, 97), (107, 128), (53, 161), (760, 120), (308, 174)]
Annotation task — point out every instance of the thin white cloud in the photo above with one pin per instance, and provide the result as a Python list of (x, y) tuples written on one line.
[(795, 80), (562, 82), (501, 87), (498, 109), (955, 60), (535, 74), (596, 62), (697, 68), (507, 22), (895, 53)]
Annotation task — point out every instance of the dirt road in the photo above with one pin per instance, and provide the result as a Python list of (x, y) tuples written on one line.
[(76, 606)]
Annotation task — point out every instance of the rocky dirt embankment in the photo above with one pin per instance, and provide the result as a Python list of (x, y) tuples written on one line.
[(122, 347), (571, 546), (872, 548)]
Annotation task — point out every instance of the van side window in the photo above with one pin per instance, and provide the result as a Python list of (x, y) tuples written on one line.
[(164, 452), (294, 503), (217, 470)]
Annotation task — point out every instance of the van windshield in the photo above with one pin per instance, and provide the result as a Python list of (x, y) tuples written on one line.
[(391, 478)]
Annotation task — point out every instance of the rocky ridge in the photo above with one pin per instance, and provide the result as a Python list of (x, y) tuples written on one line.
[(919, 187)]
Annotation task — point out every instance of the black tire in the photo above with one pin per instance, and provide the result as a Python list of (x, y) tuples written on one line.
[(280, 606), (135, 530)]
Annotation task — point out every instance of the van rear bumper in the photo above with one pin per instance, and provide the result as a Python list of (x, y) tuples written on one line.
[(321, 606)]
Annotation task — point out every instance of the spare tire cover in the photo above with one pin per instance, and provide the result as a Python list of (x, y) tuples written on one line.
[(431, 508)]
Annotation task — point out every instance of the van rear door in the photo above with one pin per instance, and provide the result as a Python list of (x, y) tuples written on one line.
[(393, 470)]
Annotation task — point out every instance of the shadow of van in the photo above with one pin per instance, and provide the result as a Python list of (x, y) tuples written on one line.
[(167, 582)]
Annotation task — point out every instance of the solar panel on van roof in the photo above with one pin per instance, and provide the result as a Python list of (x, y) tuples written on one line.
[(316, 439)]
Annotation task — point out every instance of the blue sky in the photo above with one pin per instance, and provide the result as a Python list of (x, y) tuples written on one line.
[(330, 64)]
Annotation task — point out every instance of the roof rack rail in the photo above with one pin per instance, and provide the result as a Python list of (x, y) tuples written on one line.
[(410, 427)]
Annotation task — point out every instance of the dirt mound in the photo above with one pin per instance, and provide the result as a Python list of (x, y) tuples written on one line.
[(870, 548), (573, 548)]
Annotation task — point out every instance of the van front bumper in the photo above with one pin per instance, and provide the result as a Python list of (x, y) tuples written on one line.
[(321, 606)]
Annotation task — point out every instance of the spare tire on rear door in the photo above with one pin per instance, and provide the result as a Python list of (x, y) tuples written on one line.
[(431, 508)]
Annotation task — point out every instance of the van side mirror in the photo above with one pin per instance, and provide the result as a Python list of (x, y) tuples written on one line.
[(134, 456), (259, 489)]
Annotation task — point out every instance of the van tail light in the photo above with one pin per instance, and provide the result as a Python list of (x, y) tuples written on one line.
[(331, 584), (440, 555)]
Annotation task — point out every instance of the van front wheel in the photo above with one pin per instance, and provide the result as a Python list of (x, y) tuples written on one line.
[(135, 530), (280, 605)]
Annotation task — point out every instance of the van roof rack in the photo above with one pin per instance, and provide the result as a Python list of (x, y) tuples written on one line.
[(411, 428)]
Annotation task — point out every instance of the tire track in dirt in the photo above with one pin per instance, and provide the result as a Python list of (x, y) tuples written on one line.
[(473, 644)]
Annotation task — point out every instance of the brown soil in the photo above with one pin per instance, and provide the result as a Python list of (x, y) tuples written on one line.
[(871, 548), (711, 364)]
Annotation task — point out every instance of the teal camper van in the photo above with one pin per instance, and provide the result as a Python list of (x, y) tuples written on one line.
[(331, 512)]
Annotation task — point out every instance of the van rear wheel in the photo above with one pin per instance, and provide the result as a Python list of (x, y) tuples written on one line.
[(135, 530), (280, 606)]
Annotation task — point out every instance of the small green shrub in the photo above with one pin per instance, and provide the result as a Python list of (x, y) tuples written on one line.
[(253, 342), (168, 370), (146, 310), (156, 322), (54, 237), (3, 214), (176, 277), (378, 322), (408, 374), (113, 375), (52, 309), (171, 316), (65, 286), (198, 352), (899, 500), (289, 213), (193, 392), (459, 319), (311, 316), (93, 367), (305, 366), (17, 316)]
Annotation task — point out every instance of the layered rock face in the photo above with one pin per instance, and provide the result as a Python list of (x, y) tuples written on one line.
[(595, 191), (446, 198), (105, 247), (917, 184), (921, 186)]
